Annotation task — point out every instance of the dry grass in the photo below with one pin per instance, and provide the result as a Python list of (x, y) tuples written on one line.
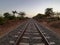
[(8, 26), (55, 26)]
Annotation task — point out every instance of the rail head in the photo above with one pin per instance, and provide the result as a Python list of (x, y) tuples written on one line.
[(19, 38), (46, 41)]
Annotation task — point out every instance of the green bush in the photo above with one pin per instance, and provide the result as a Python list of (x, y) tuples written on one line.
[(11, 17), (21, 18), (2, 20)]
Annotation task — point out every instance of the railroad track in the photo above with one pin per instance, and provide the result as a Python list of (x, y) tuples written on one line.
[(27, 34), (32, 36)]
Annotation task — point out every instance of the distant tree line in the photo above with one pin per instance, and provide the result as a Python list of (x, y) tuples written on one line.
[(48, 16), (7, 16)]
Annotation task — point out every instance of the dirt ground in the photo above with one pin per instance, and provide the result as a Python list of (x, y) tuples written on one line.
[(55, 26), (9, 26)]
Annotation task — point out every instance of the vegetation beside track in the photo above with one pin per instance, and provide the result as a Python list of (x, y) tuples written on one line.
[(49, 20), (10, 21)]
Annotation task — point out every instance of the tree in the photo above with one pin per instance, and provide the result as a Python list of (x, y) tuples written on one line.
[(7, 15), (14, 12), (49, 12), (22, 14), (2, 20), (38, 16)]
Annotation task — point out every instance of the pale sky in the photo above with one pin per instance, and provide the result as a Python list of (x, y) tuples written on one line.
[(31, 7)]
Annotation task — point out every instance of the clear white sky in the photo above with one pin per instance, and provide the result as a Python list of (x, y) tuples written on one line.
[(31, 7)]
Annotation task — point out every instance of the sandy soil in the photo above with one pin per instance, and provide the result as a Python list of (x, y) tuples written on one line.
[(55, 26), (9, 26)]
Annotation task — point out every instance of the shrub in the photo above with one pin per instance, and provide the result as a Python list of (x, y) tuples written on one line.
[(11, 17), (2, 20)]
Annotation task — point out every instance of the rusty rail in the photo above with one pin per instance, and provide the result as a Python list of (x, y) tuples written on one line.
[(45, 40), (19, 38)]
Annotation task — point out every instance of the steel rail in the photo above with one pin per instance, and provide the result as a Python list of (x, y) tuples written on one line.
[(45, 40), (22, 33)]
